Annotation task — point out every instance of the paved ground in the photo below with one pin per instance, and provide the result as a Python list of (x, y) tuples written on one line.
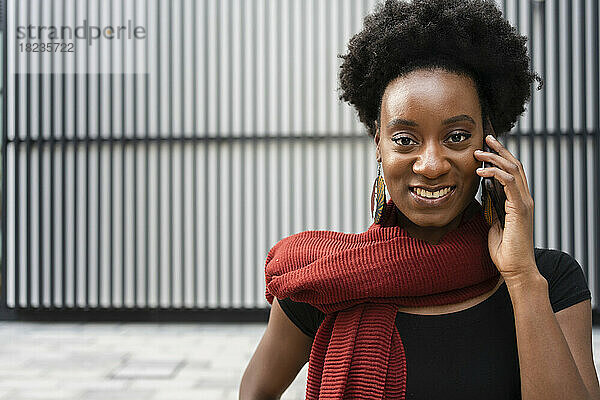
[(113, 361), (133, 361)]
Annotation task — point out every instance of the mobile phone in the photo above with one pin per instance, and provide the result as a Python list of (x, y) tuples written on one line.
[(492, 191)]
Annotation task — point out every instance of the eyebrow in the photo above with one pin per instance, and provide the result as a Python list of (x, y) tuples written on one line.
[(456, 118)]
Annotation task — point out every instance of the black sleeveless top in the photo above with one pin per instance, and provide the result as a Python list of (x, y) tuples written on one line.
[(468, 354)]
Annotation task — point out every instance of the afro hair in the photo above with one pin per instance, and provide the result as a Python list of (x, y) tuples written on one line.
[(462, 36)]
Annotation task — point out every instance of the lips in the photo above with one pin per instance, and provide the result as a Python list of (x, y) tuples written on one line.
[(428, 202), (432, 190)]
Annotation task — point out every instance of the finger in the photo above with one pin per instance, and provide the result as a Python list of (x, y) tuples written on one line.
[(503, 151), (511, 187), (505, 165)]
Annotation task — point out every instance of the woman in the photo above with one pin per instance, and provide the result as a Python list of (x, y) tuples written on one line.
[(430, 302)]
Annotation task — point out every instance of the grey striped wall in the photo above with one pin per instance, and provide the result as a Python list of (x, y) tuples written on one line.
[(158, 176)]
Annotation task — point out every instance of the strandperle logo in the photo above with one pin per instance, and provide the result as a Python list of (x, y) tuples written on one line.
[(85, 31)]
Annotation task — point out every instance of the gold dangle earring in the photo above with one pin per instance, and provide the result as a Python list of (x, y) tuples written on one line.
[(378, 195), (487, 205)]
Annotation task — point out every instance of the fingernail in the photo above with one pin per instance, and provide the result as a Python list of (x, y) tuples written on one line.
[(491, 137)]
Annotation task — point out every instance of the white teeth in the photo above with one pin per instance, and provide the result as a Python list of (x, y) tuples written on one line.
[(434, 195)]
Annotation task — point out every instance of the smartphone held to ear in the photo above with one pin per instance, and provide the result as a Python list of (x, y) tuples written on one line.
[(492, 191)]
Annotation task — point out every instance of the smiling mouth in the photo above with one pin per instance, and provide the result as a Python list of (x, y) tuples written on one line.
[(432, 195)]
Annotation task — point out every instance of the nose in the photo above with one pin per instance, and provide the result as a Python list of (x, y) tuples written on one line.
[(431, 162)]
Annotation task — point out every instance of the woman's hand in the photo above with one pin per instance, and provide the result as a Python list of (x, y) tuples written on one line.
[(511, 248)]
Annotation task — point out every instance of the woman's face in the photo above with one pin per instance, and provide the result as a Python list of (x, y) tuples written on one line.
[(430, 127)]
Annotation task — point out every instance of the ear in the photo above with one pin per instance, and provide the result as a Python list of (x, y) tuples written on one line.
[(377, 138)]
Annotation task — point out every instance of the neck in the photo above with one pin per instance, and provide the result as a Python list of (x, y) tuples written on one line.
[(433, 235)]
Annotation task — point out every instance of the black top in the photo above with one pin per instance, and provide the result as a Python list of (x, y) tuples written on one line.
[(472, 353)]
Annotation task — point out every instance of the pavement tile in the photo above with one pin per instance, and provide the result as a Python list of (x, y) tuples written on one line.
[(19, 371), (59, 394), (194, 364), (190, 395), (132, 369), (92, 384), (163, 384), (117, 394), (80, 373), (200, 394), (24, 382), (233, 394), (5, 394)]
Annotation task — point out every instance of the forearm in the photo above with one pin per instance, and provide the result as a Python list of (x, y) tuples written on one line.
[(246, 393), (548, 370)]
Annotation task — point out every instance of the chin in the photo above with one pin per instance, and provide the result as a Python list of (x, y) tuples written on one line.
[(432, 222)]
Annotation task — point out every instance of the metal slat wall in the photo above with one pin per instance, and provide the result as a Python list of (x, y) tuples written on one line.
[(158, 175), (557, 138)]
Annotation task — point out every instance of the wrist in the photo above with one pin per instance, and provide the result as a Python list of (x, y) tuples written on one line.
[(530, 282), (528, 291)]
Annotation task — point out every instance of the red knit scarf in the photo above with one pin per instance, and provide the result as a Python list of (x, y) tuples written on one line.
[(359, 280)]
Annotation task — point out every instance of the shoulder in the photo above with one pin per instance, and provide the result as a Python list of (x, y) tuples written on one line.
[(304, 239), (291, 254), (307, 246), (567, 282), (553, 263), (306, 317), (282, 251)]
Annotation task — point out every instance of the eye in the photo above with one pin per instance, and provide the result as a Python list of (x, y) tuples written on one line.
[(403, 139), (458, 134)]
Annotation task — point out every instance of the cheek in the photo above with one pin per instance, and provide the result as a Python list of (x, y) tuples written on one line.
[(470, 176), (469, 162), (471, 166), (395, 167)]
